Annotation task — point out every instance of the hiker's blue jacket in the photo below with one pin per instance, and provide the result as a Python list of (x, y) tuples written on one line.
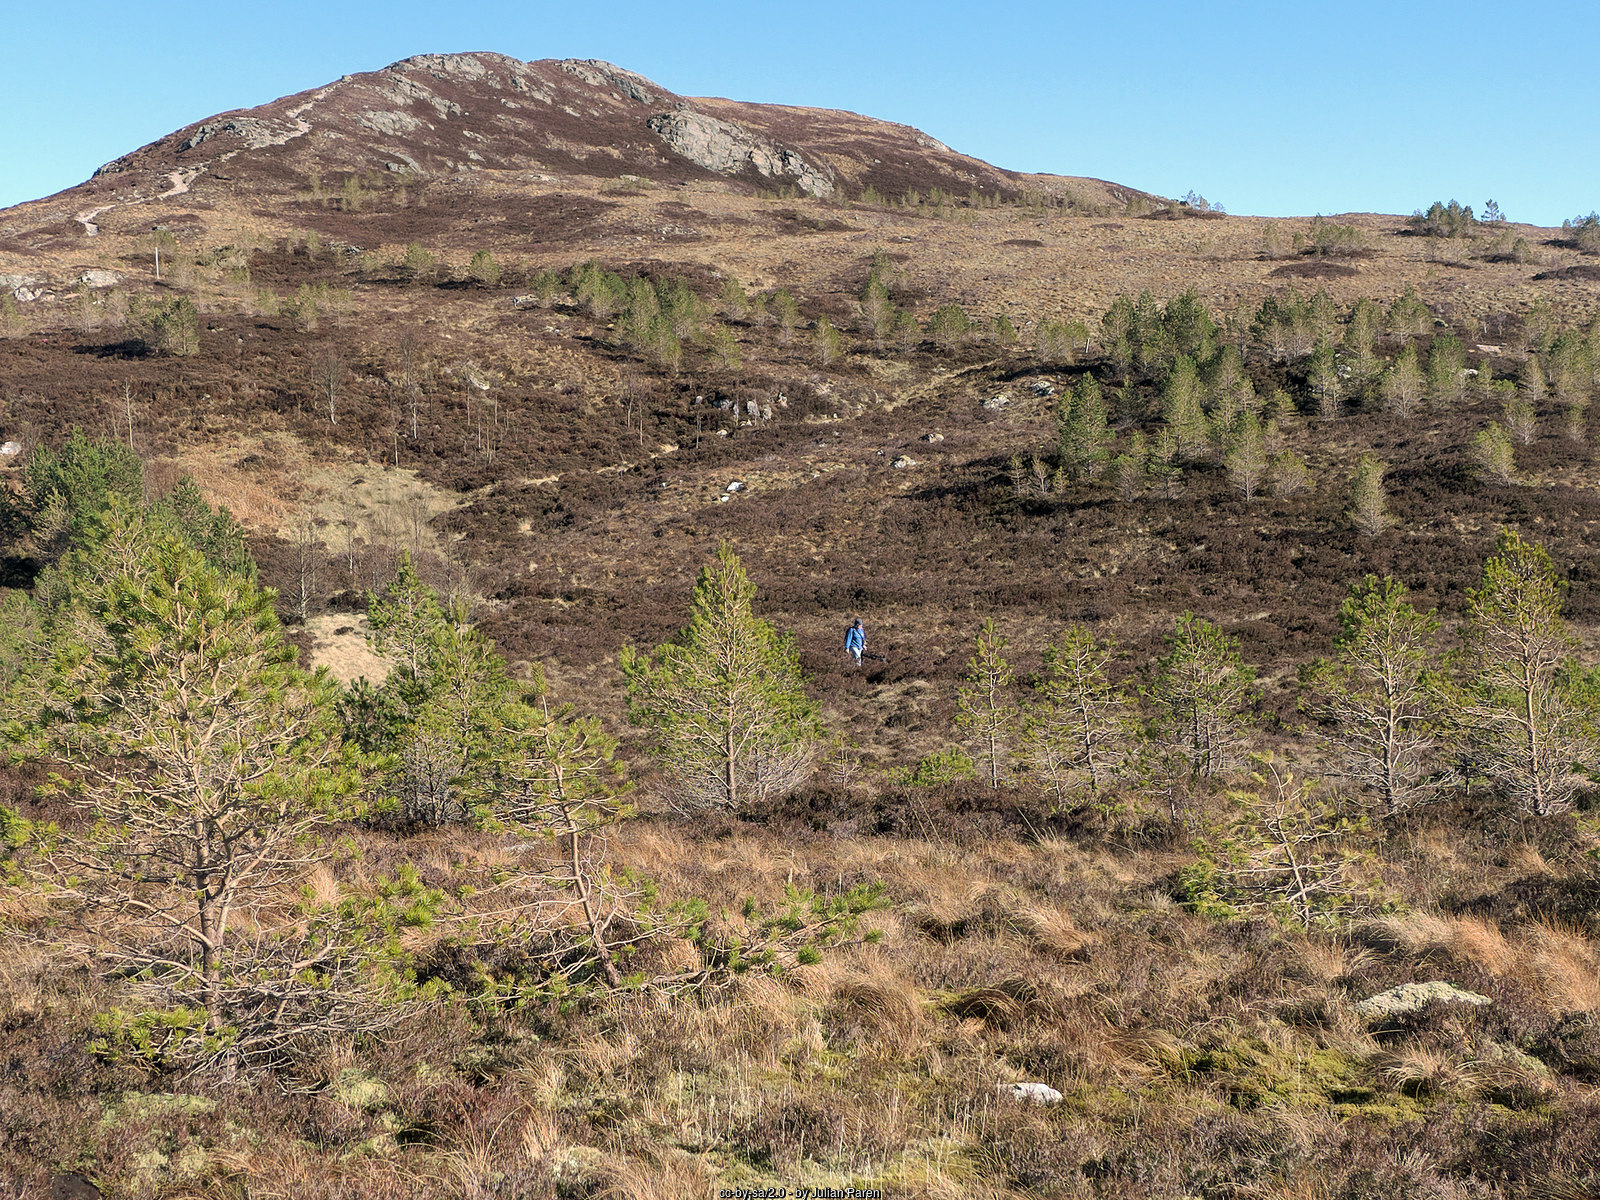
[(855, 638)]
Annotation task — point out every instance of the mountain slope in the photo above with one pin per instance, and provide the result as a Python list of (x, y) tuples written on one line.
[(463, 115)]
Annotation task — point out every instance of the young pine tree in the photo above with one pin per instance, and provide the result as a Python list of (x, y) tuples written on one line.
[(1494, 454), (1379, 698), (1402, 385), (1202, 692), (1181, 409), (1077, 730), (1289, 474), (1521, 422), (204, 760), (558, 778), (725, 699), (1082, 430), (1523, 727), (1369, 502), (437, 714), (1447, 363), (1128, 471), (1247, 461), (985, 710), (1327, 389)]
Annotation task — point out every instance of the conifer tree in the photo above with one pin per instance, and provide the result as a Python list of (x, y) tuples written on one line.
[(1369, 502), (1495, 455), (1128, 470), (1247, 460), (436, 716), (949, 326), (1447, 361), (1201, 692), (1082, 430), (1521, 421), (1327, 389), (1117, 334), (203, 759), (1402, 384), (1165, 472), (1575, 419), (1180, 407), (985, 710), (1285, 855), (65, 490), (825, 342), (1523, 727), (725, 699), (1289, 474), (1078, 729), (735, 302), (1379, 697), (557, 777)]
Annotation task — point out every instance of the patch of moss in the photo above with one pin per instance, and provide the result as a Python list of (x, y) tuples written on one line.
[(1252, 1074)]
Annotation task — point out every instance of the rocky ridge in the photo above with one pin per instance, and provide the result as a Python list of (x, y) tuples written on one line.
[(475, 117)]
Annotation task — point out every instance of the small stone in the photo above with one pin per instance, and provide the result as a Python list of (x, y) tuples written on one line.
[(736, 486), (933, 437), (997, 401), (1034, 1092), (904, 461), (11, 449), (1413, 998)]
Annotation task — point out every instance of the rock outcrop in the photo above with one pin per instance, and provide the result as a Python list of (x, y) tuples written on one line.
[(727, 149), (1411, 998)]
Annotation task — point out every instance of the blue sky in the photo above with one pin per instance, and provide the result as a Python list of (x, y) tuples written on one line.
[(1277, 109)]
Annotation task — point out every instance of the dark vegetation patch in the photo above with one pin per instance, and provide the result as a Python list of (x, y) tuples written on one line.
[(1182, 212), (1576, 271), (1318, 268), (789, 221), (550, 220)]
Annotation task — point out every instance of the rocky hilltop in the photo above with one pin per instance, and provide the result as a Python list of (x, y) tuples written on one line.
[(460, 116)]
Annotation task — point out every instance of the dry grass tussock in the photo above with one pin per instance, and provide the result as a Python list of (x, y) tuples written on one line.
[(1560, 962)]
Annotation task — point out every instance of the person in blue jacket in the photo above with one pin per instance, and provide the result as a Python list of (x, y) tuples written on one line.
[(855, 640)]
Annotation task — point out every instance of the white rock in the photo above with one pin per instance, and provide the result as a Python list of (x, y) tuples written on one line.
[(97, 278), (11, 449), (933, 437), (1414, 997), (736, 486), (904, 461), (1037, 1093), (997, 401)]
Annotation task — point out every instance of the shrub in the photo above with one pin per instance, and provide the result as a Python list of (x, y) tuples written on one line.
[(950, 765), (949, 326), (483, 269)]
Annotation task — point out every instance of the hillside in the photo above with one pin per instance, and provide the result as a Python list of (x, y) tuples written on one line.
[(557, 334)]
